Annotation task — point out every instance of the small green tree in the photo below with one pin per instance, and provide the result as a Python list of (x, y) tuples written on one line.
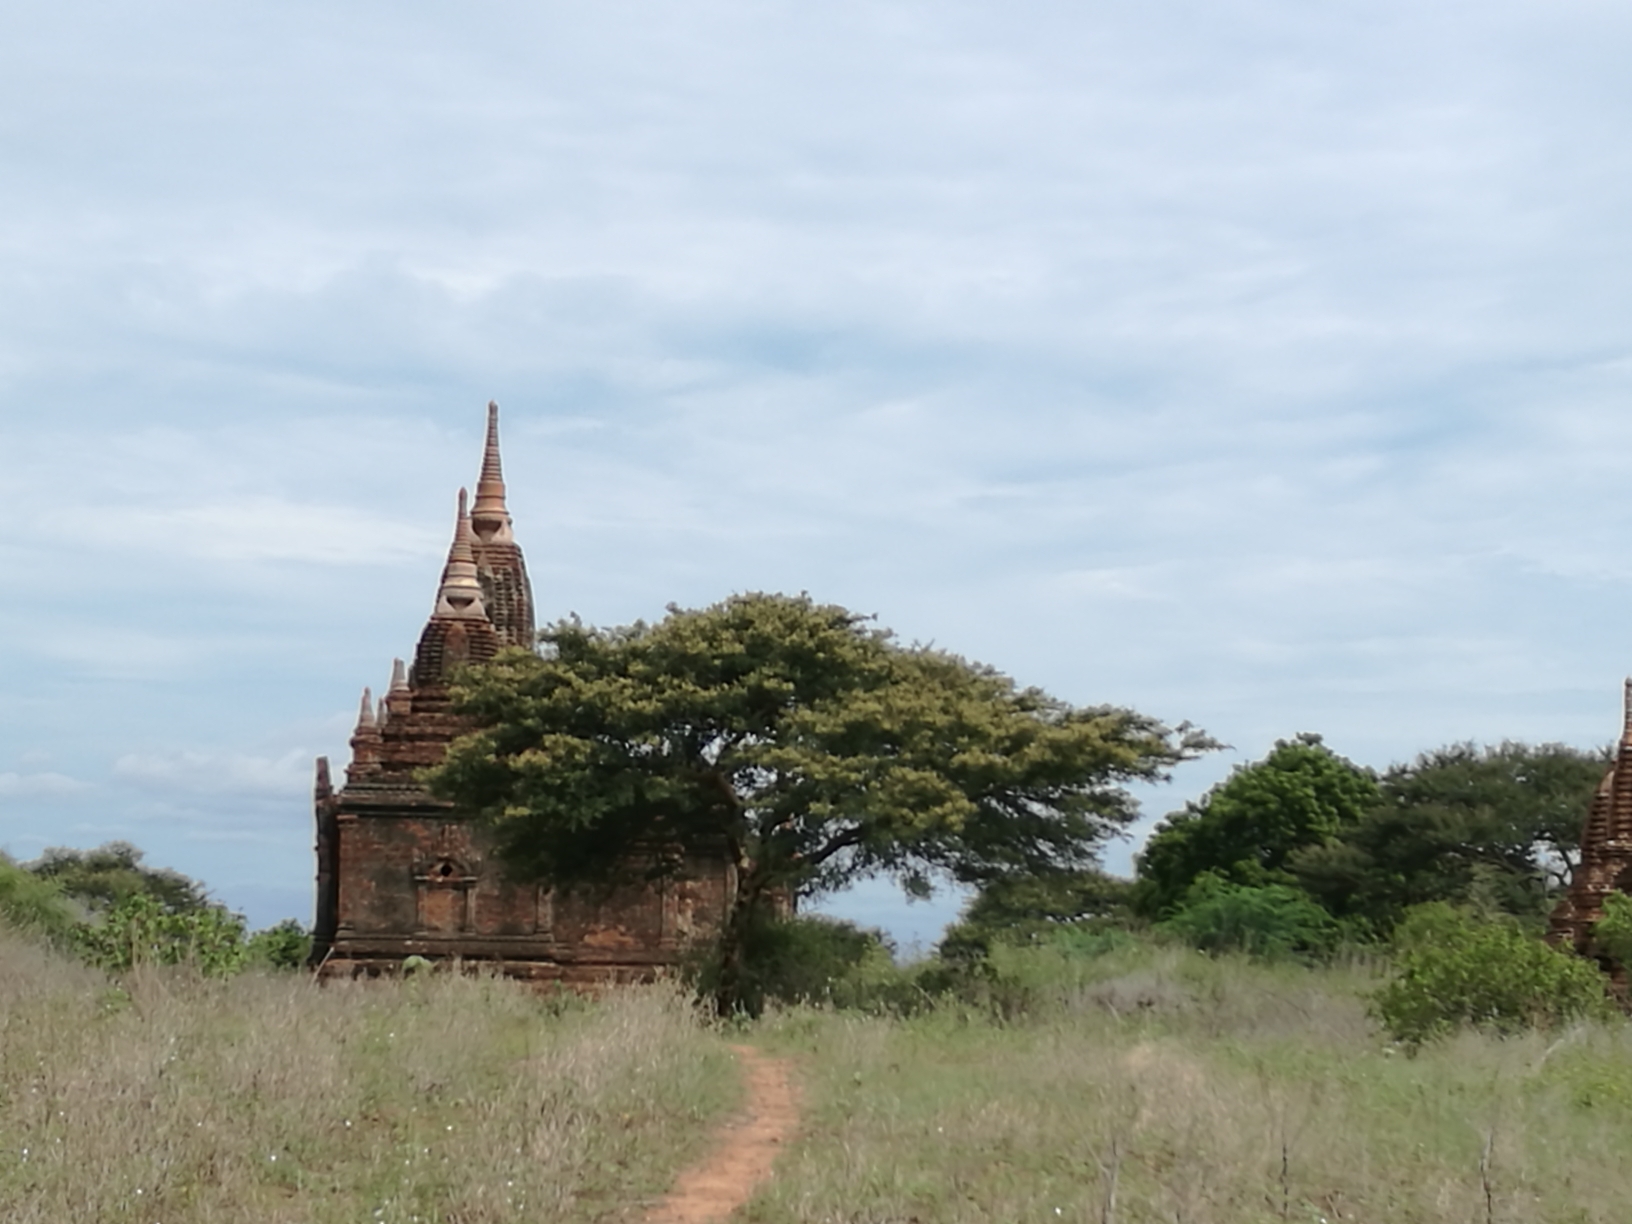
[(1454, 969), (1247, 828)]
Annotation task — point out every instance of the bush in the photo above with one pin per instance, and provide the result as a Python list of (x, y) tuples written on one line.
[(814, 960), (1030, 908), (285, 946), (1613, 932), (1038, 976), (139, 931), (1271, 921), (32, 905), (1453, 969)]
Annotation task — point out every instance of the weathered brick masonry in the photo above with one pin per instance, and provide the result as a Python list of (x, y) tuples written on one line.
[(1606, 857), (401, 873)]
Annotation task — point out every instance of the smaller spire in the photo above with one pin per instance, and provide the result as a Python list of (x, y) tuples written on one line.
[(1626, 722), (399, 697), (490, 517), (460, 594), (365, 714)]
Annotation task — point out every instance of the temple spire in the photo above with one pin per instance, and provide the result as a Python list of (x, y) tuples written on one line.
[(1626, 721), (461, 593), (490, 517), (365, 715)]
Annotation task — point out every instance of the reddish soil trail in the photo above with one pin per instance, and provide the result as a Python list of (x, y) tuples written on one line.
[(745, 1150)]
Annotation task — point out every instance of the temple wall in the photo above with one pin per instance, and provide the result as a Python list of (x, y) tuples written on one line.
[(420, 885)]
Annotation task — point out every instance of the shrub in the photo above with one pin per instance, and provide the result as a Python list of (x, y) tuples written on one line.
[(813, 960), (1613, 932), (139, 931), (32, 905), (1453, 969), (1030, 908), (284, 946), (1270, 921)]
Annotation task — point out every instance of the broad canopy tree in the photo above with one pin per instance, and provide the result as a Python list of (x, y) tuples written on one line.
[(800, 740)]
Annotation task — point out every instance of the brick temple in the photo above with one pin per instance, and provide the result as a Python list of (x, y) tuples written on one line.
[(402, 873), (1606, 855)]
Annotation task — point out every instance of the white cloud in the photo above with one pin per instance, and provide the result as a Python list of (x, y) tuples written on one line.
[(40, 785), (218, 772), (254, 530)]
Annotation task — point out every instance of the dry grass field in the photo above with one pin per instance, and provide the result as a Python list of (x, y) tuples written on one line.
[(1165, 1088), (173, 1100), (1138, 1087)]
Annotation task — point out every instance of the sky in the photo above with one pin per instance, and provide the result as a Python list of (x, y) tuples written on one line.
[(1253, 363)]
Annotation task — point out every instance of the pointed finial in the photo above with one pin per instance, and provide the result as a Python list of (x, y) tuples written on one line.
[(1626, 725), (461, 594), (490, 517), (365, 714), (399, 678)]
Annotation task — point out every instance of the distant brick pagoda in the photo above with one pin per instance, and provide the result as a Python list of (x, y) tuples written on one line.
[(401, 873), (1606, 856)]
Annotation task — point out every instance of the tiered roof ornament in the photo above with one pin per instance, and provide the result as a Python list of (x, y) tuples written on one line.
[(506, 592), (490, 516), (460, 594)]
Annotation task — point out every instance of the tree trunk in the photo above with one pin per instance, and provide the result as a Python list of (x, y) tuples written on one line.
[(728, 988)]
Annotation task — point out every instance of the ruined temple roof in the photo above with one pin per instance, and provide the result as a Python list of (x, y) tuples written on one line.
[(483, 603), (1606, 847)]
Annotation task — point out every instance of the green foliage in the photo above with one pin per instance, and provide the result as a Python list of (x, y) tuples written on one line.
[(1270, 921), (804, 744), (1247, 828), (1454, 969), (1057, 970), (284, 946), (103, 878), (140, 931), (1612, 934), (1487, 827), (32, 905), (1022, 909), (812, 959)]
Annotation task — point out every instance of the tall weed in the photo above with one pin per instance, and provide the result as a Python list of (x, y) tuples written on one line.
[(261, 1097), (1161, 1085)]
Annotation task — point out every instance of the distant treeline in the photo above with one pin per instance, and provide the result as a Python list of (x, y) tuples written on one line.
[(116, 912)]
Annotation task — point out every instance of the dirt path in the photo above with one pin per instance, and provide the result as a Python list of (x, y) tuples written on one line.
[(744, 1150)]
